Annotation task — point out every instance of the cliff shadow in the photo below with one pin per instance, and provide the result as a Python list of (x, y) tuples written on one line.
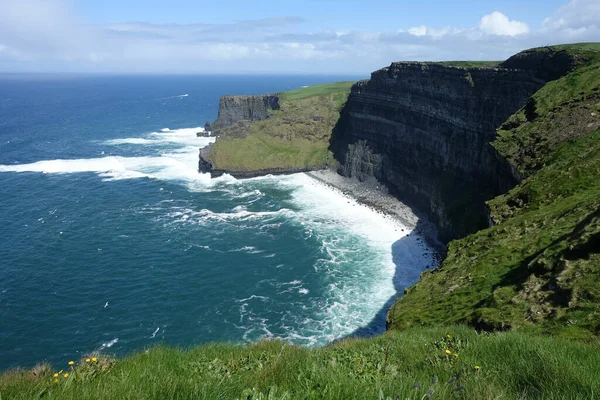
[(409, 261)]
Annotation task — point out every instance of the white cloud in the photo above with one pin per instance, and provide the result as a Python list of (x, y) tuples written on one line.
[(47, 35), (497, 23), (577, 20), (418, 30)]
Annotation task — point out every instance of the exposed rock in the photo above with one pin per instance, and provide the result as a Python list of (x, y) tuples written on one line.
[(423, 130), (204, 165), (548, 64), (233, 109)]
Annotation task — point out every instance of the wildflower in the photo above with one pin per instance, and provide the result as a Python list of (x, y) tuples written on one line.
[(448, 352), (455, 355), (71, 362), (66, 375), (56, 381), (94, 359), (477, 367), (87, 360), (56, 374), (449, 337)]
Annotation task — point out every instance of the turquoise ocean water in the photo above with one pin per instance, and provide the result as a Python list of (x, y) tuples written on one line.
[(111, 240)]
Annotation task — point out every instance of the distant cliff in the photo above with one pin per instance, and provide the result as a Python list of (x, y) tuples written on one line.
[(275, 134), (233, 109), (423, 130)]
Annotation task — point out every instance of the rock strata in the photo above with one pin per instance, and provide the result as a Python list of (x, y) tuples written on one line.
[(423, 130), (233, 109)]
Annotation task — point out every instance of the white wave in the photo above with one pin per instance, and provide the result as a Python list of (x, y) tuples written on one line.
[(109, 344), (262, 298), (129, 141), (205, 216), (155, 332), (181, 164)]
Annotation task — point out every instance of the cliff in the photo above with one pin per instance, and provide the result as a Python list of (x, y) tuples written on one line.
[(423, 129), (275, 134), (233, 109), (538, 267)]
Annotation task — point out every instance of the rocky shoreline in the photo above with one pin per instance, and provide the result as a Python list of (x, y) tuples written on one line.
[(375, 196)]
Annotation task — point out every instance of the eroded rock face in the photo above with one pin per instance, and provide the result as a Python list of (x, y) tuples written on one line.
[(233, 109), (424, 130), (548, 64)]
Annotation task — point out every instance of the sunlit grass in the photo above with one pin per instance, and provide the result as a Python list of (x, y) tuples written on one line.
[(505, 365)]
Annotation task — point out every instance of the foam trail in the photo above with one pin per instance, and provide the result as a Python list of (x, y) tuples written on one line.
[(155, 332), (367, 256), (109, 344), (179, 164)]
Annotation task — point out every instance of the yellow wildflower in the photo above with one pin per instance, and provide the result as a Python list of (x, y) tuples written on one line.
[(66, 375), (71, 362), (94, 359), (448, 352), (448, 336), (56, 381), (455, 355), (87, 360), (477, 368), (56, 374)]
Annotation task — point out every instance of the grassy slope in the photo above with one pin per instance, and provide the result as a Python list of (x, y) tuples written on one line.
[(296, 136), (511, 365), (538, 268), (469, 64)]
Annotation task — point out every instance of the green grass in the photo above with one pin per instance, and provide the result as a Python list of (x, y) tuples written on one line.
[(318, 90), (512, 366), (294, 137), (578, 47), (561, 110), (525, 272), (469, 64), (538, 268)]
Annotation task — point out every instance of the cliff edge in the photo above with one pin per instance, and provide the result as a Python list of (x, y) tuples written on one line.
[(274, 134)]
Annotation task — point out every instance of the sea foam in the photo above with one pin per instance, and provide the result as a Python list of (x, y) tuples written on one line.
[(365, 256)]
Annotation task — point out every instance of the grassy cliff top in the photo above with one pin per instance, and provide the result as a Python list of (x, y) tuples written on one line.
[(317, 90), (468, 64), (410, 365), (295, 137), (575, 49)]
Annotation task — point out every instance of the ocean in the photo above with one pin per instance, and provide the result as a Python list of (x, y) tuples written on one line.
[(111, 240)]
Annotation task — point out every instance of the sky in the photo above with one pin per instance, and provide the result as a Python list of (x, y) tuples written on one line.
[(283, 37)]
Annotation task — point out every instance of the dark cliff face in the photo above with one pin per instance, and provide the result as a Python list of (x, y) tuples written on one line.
[(233, 109), (423, 130), (547, 63)]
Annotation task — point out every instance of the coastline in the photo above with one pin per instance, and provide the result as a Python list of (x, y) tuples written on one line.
[(376, 197)]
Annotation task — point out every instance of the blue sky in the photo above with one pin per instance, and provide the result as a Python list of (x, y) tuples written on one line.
[(309, 36), (348, 14)]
